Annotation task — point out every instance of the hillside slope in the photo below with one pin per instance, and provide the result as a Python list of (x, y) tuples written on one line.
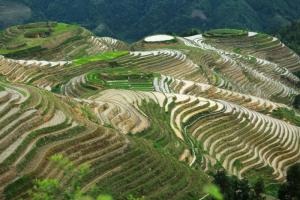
[(291, 36), (132, 20), (155, 121)]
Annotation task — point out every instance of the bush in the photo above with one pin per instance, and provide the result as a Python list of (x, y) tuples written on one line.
[(291, 189), (296, 102), (235, 189)]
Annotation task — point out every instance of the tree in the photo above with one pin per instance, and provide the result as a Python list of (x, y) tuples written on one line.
[(296, 102), (283, 193), (222, 179), (259, 188), (45, 189), (293, 180), (233, 188), (290, 35), (291, 189)]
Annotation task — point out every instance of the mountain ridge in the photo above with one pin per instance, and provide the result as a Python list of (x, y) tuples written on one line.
[(132, 20)]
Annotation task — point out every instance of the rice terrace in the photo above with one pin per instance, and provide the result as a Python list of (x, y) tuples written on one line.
[(162, 118)]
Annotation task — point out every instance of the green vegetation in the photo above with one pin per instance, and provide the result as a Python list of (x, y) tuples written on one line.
[(52, 189), (142, 85), (277, 98), (290, 35), (248, 59), (38, 32), (237, 50), (234, 189), (225, 33), (265, 175), (89, 114), (160, 133), (158, 17), (56, 89), (139, 145), (32, 36), (296, 102), (290, 189), (100, 57), (21, 184), (62, 27), (121, 78), (213, 191), (163, 178), (287, 115), (190, 32)]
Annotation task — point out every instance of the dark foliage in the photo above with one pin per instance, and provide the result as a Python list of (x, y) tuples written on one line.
[(133, 19), (296, 102), (235, 189), (291, 189), (290, 35)]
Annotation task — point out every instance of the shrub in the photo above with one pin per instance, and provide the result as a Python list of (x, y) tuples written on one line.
[(291, 189), (235, 189), (296, 102)]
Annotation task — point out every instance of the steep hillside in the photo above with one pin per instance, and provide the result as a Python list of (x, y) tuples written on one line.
[(156, 120), (131, 20), (291, 36)]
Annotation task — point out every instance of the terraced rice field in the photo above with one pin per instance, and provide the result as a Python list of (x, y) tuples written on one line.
[(153, 121)]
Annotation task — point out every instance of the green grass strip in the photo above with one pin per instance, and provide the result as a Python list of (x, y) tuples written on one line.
[(100, 57)]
